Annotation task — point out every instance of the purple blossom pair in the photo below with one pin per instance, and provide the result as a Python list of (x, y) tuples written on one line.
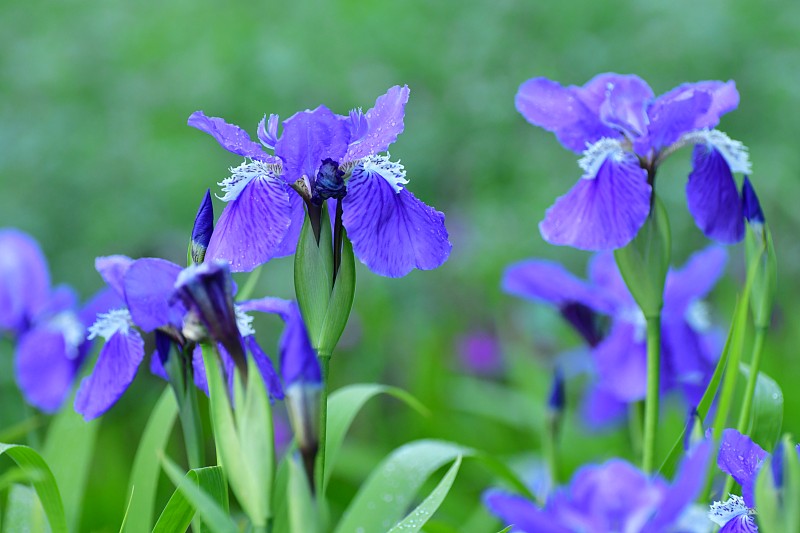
[(46, 323), (690, 347), (184, 307), (624, 132), (614, 496), (742, 459), (321, 156)]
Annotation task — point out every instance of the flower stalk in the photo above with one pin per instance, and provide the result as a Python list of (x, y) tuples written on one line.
[(652, 399)]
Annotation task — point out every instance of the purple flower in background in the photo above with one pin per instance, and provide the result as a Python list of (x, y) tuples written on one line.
[(614, 496), (179, 305), (47, 324), (689, 346), (624, 132), (323, 156), (479, 352)]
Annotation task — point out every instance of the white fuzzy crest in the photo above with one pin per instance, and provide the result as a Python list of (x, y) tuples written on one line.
[(698, 316), (67, 323), (242, 175), (244, 322), (723, 512), (393, 172), (734, 152), (107, 324), (596, 154)]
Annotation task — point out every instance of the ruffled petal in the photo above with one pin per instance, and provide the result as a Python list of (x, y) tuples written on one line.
[(112, 269), (625, 104), (309, 137), (723, 97), (231, 137), (116, 367), (297, 217), (385, 123), (672, 117), (521, 513), (269, 304), (24, 280), (713, 198), (622, 363), (563, 111), (549, 282), (264, 364), (43, 368), (252, 227), (149, 284), (102, 302), (694, 280), (741, 458), (743, 523), (601, 213), (392, 232)]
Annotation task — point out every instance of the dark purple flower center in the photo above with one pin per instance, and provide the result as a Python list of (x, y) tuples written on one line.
[(584, 320), (329, 182)]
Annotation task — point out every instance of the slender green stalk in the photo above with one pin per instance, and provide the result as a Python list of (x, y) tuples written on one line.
[(192, 427), (549, 447), (250, 284), (324, 361), (651, 402), (755, 363), (636, 427)]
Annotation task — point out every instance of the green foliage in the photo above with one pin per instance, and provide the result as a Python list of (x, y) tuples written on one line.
[(211, 507), (767, 416), (779, 507), (303, 516), (179, 512)]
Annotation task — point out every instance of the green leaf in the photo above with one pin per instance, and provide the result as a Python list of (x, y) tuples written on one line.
[(779, 513), (146, 469), (414, 521), (280, 497), (229, 449), (43, 482), (302, 511), (343, 406), (390, 489), (178, 513), (313, 275), (24, 512), (69, 449), (211, 512), (341, 301), (767, 414)]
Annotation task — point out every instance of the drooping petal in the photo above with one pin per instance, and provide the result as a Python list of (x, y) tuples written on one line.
[(112, 269), (688, 482), (231, 137), (625, 104), (277, 306), (268, 373), (693, 281), (268, 131), (723, 97), (744, 523), (299, 364), (685, 359), (199, 369), (298, 214), (549, 282), (149, 284), (61, 298), (741, 458), (308, 138), (604, 273), (385, 123), (252, 226), (622, 362), (521, 513), (602, 408), (561, 110), (161, 355), (601, 213), (24, 280), (103, 301), (44, 369), (392, 232), (729, 512), (116, 367), (712, 196), (672, 117), (750, 204)]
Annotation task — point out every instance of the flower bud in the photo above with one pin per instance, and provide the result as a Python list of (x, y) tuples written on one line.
[(760, 250), (202, 230)]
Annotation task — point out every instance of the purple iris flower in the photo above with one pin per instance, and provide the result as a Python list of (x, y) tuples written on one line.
[(323, 156), (624, 132), (47, 324), (742, 459), (480, 353), (689, 345), (178, 304), (614, 496)]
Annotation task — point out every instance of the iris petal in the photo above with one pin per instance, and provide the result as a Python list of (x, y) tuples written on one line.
[(392, 232), (521, 513), (741, 458), (112, 269), (149, 284), (622, 362), (265, 367), (385, 122), (713, 198), (231, 137), (251, 228), (43, 368), (309, 137), (116, 367), (601, 213), (24, 279)]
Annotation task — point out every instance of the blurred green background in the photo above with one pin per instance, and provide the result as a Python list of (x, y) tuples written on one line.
[(96, 158)]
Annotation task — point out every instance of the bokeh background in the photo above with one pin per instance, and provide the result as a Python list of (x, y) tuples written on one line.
[(96, 158)]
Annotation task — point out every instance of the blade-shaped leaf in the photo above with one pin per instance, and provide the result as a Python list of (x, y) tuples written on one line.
[(767, 414), (414, 521), (146, 469), (24, 512), (344, 405), (211, 512), (341, 301), (386, 495), (43, 482), (313, 277), (178, 514), (302, 511)]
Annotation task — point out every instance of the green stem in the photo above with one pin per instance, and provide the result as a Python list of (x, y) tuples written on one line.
[(549, 446), (651, 402), (250, 284), (747, 403), (192, 427), (324, 361), (635, 427)]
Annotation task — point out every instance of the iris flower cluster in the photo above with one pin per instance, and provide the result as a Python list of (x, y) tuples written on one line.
[(689, 344), (623, 133), (320, 156)]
